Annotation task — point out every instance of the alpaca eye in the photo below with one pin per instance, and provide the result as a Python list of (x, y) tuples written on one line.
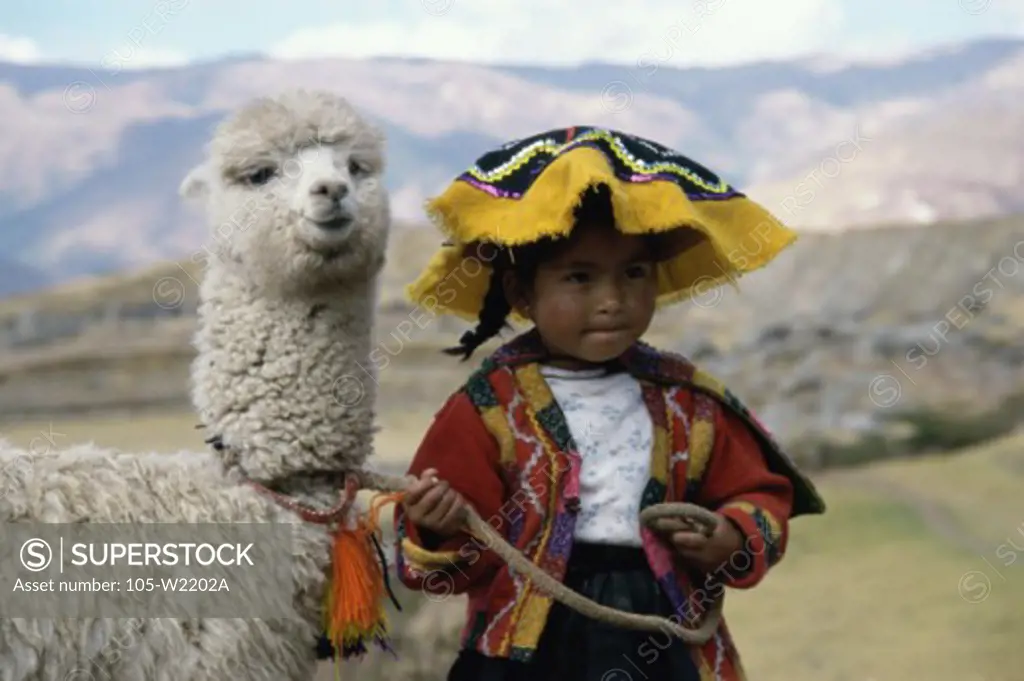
[(357, 168), (260, 175)]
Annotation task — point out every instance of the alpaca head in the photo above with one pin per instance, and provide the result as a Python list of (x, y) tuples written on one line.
[(299, 219), (294, 195)]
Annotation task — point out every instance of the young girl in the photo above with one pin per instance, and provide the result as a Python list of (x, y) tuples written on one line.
[(567, 432)]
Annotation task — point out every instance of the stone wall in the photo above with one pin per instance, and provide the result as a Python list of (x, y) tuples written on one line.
[(38, 326)]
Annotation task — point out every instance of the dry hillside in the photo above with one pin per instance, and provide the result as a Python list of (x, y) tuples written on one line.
[(840, 329)]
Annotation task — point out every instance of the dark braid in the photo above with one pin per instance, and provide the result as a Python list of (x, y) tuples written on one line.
[(493, 318)]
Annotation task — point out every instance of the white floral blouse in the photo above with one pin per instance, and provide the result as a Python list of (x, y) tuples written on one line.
[(613, 431)]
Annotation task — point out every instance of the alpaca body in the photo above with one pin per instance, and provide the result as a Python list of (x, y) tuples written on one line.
[(91, 484)]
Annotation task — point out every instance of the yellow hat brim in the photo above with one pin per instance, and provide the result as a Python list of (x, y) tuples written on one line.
[(737, 235)]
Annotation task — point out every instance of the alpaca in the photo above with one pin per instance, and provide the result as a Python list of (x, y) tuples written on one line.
[(286, 313)]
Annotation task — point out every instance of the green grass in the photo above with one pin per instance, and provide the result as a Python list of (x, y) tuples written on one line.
[(870, 591)]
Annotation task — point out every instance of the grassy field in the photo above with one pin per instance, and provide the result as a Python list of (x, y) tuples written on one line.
[(910, 575), (904, 578), (169, 432)]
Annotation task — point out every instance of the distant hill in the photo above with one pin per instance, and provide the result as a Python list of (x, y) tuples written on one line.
[(838, 331), (16, 278), (90, 161)]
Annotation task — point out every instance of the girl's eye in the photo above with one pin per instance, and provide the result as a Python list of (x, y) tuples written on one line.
[(638, 271), (577, 277)]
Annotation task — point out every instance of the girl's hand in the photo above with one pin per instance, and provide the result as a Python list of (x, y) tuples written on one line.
[(433, 505), (706, 553)]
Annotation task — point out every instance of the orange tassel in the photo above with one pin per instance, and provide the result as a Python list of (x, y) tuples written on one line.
[(354, 610)]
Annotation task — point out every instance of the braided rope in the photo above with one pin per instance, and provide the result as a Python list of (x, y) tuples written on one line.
[(697, 517)]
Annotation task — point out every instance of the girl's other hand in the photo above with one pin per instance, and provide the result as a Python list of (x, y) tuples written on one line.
[(432, 504), (708, 553)]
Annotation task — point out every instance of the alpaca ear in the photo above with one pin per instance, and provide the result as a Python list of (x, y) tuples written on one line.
[(196, 184)]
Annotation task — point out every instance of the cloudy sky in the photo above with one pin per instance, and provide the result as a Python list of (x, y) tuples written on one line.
[(681, 32)]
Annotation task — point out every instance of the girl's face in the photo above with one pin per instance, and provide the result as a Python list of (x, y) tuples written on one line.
[(594, 299)]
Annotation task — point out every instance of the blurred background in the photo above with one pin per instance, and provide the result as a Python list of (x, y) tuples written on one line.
[(885, 348)]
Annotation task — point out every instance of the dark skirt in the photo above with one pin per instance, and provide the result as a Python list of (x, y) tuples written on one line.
[(577, 648)]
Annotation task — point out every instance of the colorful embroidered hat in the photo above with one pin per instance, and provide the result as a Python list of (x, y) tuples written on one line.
[(528, 188)]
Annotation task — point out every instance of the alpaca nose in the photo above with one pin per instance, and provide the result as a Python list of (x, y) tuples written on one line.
[(331, 189)]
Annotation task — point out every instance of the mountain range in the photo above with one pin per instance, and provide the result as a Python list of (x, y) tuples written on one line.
[(90, 160)]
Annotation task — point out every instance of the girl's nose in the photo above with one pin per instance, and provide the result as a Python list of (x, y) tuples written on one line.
[(611, 299)]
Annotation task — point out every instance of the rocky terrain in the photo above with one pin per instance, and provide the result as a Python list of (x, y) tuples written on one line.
[(843, 326), (840, 329)]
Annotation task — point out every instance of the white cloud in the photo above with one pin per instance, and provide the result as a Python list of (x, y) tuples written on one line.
[(127, 56), (536, 31), (18, 50)]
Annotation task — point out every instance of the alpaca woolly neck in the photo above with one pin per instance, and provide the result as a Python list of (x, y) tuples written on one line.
[(255, 348)]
